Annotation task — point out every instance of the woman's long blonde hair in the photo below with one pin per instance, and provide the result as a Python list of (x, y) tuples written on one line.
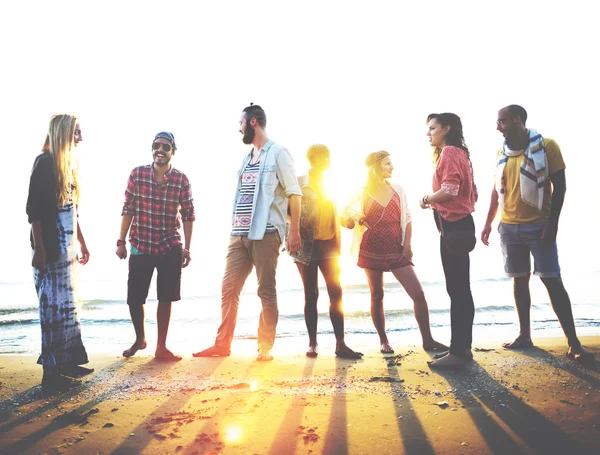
[(60, 144)]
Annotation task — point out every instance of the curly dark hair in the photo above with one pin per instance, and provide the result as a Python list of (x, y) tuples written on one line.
[(454, 136)]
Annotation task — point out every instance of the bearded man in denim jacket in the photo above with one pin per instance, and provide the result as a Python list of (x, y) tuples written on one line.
[(265, 182)]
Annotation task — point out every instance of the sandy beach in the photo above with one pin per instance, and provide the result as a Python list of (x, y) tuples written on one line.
[(534, 401)]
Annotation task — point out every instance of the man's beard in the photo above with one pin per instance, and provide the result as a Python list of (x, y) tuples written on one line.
[(249, 134)]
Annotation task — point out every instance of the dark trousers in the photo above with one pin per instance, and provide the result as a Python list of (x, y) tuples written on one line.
[(458, 285)]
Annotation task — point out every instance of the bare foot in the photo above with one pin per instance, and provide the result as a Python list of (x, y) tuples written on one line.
[(264, 355), (135, 347), (312, 351), (521, 342), (386, 348), (434, 346), (58, 383), (166, 355), (468, 354), (579, 355), (345, 352), (75, 371), (213, 351), (448, 361)]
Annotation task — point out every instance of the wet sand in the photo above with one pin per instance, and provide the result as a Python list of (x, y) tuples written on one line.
[(533, 401)]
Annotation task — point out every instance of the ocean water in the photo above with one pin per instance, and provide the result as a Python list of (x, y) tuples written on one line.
[(106, 324)]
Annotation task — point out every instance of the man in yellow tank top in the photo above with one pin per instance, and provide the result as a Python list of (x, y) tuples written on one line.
[(530, 191)]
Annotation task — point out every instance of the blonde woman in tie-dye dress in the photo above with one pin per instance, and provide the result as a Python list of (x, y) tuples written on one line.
[(55, 239)]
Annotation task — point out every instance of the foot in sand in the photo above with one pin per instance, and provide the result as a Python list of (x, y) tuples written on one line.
[(213, 351), (312, 351), (345, 352), (520, 342), (434, 346), (386, 348), (166, 355), (58, 383), (75, 371), (448, 361), (135, 347), (579, 355), (468, 354), (264, 355)]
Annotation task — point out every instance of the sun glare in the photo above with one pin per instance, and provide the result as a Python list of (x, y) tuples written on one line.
[(233, 434), (254, 385)]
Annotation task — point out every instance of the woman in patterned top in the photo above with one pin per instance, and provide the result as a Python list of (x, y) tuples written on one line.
[(55, 235), (385, 245), (453, 200)]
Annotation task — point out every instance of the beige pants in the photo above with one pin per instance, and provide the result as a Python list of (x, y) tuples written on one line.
[(242, 255)]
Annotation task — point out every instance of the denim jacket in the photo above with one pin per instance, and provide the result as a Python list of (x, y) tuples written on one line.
[(308, 222), (276, 183)]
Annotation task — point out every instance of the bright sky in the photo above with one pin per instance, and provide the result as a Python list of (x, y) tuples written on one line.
[(357, 76)]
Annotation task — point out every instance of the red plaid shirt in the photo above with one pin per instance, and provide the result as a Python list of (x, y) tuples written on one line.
[(156, 209)]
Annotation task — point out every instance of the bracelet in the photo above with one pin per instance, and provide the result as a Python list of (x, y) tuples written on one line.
[(121, 243), (186, 250)]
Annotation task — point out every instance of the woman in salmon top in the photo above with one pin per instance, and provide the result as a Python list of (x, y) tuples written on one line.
[(453, 200)]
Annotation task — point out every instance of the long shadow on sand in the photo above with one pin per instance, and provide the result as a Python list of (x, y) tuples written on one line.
[(537, 433), (564, 363), (61, 421), (136, 444), (336, 439), (411, 431), (293, 416)]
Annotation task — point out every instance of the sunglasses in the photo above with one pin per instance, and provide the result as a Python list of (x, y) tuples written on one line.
[(165, 147)]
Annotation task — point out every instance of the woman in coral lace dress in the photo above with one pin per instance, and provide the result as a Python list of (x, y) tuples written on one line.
[(381, 220)]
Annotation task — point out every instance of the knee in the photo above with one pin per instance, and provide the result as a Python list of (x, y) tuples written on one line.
[(521, 283), (376, 296)]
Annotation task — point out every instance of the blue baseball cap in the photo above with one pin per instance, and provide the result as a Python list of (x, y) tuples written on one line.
[(166, 135)]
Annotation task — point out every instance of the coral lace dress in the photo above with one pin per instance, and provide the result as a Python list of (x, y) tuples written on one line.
[(381, 246)]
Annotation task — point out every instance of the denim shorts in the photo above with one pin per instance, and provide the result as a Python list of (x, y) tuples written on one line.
[(519, 242)]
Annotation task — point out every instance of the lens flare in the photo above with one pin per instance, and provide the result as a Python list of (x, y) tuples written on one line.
[(233, 434), (253, 386)]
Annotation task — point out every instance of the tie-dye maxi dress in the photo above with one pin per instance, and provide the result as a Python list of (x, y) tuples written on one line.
[(57, 294)]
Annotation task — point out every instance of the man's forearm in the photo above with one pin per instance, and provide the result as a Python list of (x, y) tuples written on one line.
[(188, 227), (559, 188), (295, 207), (125, 224), (493, 210)]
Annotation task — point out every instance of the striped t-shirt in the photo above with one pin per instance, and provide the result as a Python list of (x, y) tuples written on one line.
[(242, 219)]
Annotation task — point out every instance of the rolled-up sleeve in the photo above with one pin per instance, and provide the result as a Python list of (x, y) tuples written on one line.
[(130, 196), (286, 173), (449, 174), (186, 201)]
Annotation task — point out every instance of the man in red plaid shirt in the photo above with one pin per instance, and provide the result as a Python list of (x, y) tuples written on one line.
[(158, 199)]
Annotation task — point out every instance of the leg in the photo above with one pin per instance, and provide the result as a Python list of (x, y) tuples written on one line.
[(141, 268), (137, 318), (264, 255), (462, 309), (411, 284), (375, 279), (515, 244), (559, 298), (238, 266), (309, 275), (331, 272), (523, 304), (168, 290)]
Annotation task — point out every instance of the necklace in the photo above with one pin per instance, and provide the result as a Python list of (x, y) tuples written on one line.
[(253, 160)]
